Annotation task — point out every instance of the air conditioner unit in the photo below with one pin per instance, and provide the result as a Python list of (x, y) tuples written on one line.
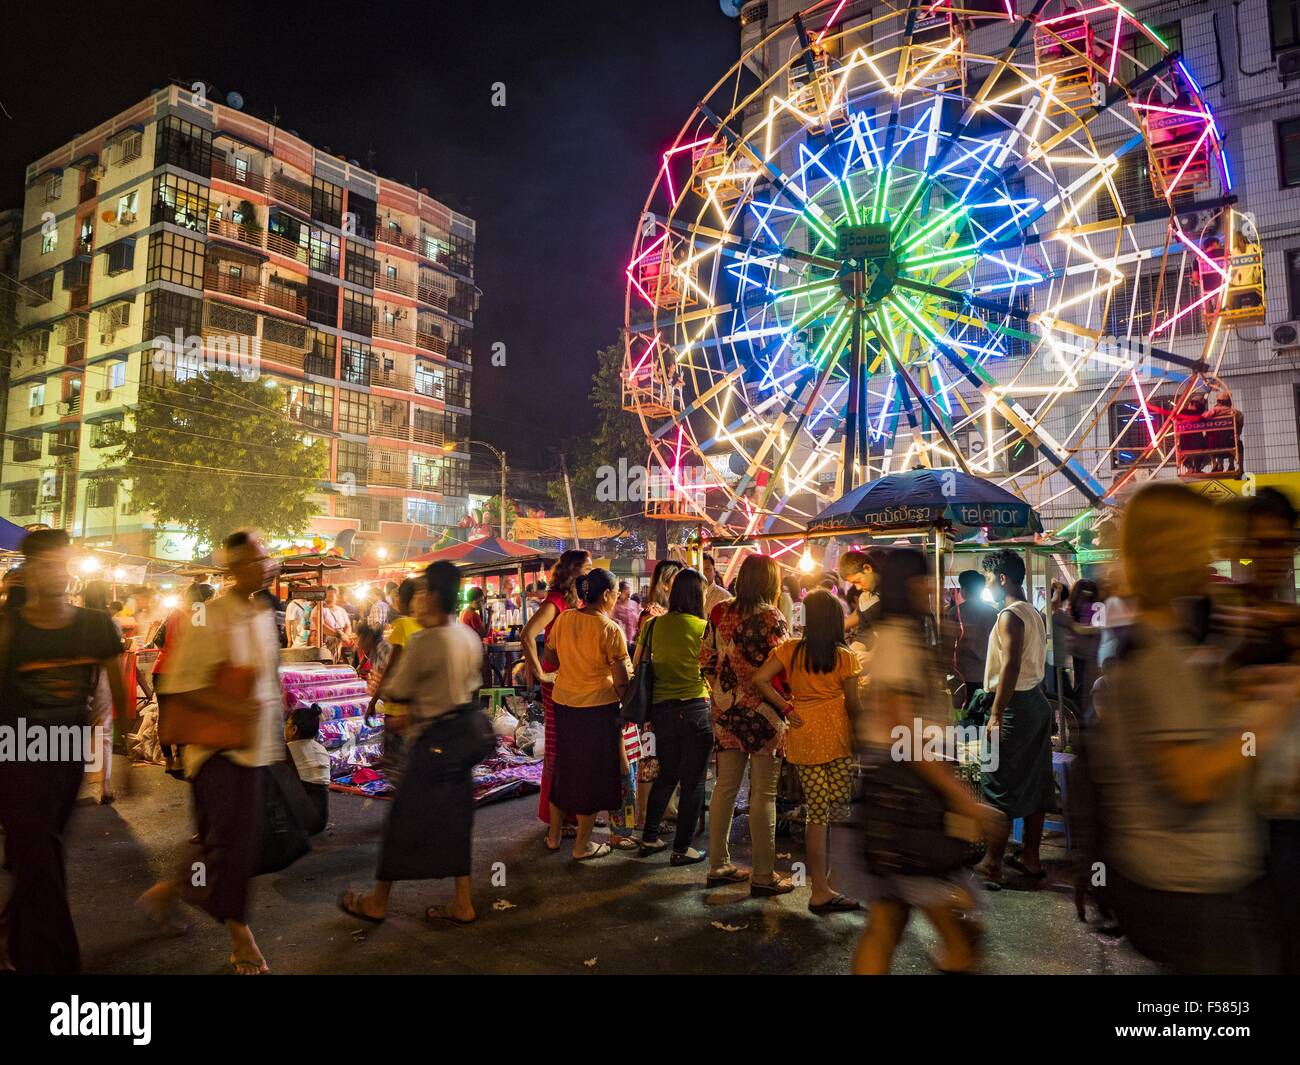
[(104, 394), (36, 412), (98, 171), (1288, 66), (49, 487), (1286, 335)]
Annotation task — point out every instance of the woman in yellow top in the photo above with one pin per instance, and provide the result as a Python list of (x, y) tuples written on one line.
[(823, 677), (593, 674)]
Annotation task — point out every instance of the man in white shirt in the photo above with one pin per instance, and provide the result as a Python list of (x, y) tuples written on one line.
[(295, 623), (384, 609), (235, 636)]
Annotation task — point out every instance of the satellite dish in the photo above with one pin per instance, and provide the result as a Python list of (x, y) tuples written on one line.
[(731, 8), (235, 100)]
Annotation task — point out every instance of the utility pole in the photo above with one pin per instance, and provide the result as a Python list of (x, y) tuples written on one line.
[(568, 493), (503, 495)]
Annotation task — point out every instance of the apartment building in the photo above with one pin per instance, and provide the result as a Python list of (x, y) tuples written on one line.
[(184, 214), (1245, 56)]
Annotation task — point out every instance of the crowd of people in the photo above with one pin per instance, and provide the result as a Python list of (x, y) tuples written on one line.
[(782, 691)]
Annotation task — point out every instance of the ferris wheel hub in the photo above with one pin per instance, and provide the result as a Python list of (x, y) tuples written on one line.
[(868, 268)]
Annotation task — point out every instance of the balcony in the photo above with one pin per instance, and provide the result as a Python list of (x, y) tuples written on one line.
[(384, 283), (427, 435), (395, 331), (429, 342), (246, 179), (283, 246), (290, 192), (228, 230), (397, 239), (316, 419), (69, 407), (390, 377), (434, 297), (319, 365), (278, 296)]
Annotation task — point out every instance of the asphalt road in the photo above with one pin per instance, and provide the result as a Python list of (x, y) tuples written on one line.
[(543, 914)]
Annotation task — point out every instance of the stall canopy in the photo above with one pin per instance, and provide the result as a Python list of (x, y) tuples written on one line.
[(11, 535), (486, 550), (919, 499)]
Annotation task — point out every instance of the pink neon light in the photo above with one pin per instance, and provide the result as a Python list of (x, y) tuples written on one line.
[(632, 265), (1168, 110), (672, 192), (1190, 307), (1011, 15), (1182, 236), (1114, 51), (830, 21), (1074, 14), (1187, 162)]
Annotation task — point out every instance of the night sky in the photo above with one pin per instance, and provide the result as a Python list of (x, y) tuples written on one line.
[(555, 179)]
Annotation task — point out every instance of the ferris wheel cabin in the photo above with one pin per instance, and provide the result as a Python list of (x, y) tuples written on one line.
[(665, 277), (717, 176), (1239, 276), (1062, 50), (647, 387), (1178, 138), (815, 90), (937, 55)]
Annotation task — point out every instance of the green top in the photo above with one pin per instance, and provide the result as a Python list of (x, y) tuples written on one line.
[(676, 654)]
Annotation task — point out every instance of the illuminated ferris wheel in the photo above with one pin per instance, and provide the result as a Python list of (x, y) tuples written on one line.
[(995, 240)]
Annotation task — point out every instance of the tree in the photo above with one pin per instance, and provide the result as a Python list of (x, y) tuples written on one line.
[(591, 459), (216, 452)]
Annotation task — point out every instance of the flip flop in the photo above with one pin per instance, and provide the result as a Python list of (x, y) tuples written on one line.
[(835, 904), (1023, 869), (624, 843), (249, 966), (733, 875), (439, 913), (602, 849), (344, 896), (547, 844), (650, 847)]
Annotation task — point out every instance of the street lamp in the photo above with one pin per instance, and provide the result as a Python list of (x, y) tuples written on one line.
[(452, 445)]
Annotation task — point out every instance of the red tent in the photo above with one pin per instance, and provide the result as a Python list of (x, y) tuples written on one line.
[(485, 550)]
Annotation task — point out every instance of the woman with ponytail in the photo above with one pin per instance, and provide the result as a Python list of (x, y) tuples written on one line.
[(561, 596), (592, 675)]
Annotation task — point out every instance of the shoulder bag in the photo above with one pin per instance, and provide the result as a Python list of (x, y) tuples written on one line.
[(635, 708)]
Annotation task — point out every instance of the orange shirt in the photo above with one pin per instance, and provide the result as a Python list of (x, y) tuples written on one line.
[(819, 700)]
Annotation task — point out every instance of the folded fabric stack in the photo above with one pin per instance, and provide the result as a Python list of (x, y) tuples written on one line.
[(340, 696)]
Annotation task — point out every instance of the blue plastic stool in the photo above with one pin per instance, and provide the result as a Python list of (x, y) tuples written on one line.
[(1053, 822)]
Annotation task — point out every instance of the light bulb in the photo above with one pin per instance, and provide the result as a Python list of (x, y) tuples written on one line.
[(806, 563), (90, 565)]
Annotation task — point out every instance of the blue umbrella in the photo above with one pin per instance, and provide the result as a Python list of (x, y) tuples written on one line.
[(923, 498)]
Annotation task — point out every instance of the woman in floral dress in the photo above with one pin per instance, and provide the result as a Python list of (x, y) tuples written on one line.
[(749, 730)]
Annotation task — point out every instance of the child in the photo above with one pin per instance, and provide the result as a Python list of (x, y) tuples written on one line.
[(311, 760), (823, 678)]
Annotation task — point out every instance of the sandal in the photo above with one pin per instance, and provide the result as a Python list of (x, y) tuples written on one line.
[(600, 851), (249, 966), (1020, 867), (728, 874), (782, 885), (990, 881), (347, 902), (837, 903), (547, 844), (624, 843), (440, 913), (649, 847)]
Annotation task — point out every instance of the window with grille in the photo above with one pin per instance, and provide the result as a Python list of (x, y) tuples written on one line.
[(124, 147), (357, 361), (23, 500), (352, 460), (165, 312), (115, 316), (27, 448), (176, 259), (323, 252), (101, 433), (1283, 24), (180, 202), (101, 492), (327, 203), (354, 412), (362, 208), (358, 313), (119, 257), (360, 269), (183, 144), (1288, 152), (317, 405), (1130, 434), (1145, 52), (322, 302), (1132, 186), (1159, 297)]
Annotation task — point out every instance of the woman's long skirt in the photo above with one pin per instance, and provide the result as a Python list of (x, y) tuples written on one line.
[(588, 774)]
